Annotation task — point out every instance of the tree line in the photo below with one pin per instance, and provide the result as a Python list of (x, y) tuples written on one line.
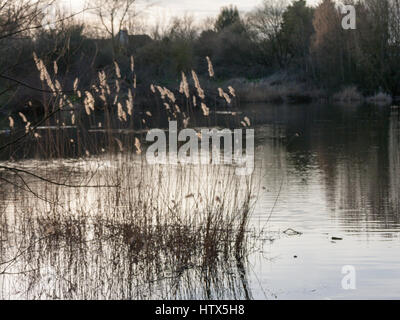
[(305, 41)]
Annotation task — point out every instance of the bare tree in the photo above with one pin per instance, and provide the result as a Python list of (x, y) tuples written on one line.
[(20, 22), (394, 22), (183, 28), (267, 18), (21, 17), (114, 16), (266, 21)]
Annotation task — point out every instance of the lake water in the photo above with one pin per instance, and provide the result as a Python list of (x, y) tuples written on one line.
[(340, 178), (329, 183)]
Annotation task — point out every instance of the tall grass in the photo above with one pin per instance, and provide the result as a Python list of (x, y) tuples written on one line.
[(80, 120), (89, 218), (276, 89), (348, 94), (380, 98), (150, 222)]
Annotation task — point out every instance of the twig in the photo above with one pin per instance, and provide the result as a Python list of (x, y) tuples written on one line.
[(16, 170)]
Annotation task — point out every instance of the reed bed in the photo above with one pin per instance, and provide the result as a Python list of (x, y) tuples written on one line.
[(347, 95), (153, 226), (83, 216), (276, 89), (104, 116), (380, 98)]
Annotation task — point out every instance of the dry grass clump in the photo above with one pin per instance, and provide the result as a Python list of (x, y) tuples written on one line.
[(277, 88), (265, 92), (351, 94), (162, 226), (348, 94), (380, 98)]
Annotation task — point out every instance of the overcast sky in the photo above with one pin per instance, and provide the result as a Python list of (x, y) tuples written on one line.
[(164, 9), (201, 8)]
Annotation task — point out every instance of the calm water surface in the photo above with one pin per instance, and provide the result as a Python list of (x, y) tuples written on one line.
[(340, 178), (326, 171)]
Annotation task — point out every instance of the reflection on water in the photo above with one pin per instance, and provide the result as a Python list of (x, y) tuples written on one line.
[(340, 180), (138, 231), (336, 183), (394, 162), (150, 233)]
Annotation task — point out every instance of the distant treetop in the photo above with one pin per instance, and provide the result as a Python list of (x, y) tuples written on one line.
[(228, 17)]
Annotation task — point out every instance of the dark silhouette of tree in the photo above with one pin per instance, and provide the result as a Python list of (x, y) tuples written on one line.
[(229, 17), (297, 29), (266, 23)]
